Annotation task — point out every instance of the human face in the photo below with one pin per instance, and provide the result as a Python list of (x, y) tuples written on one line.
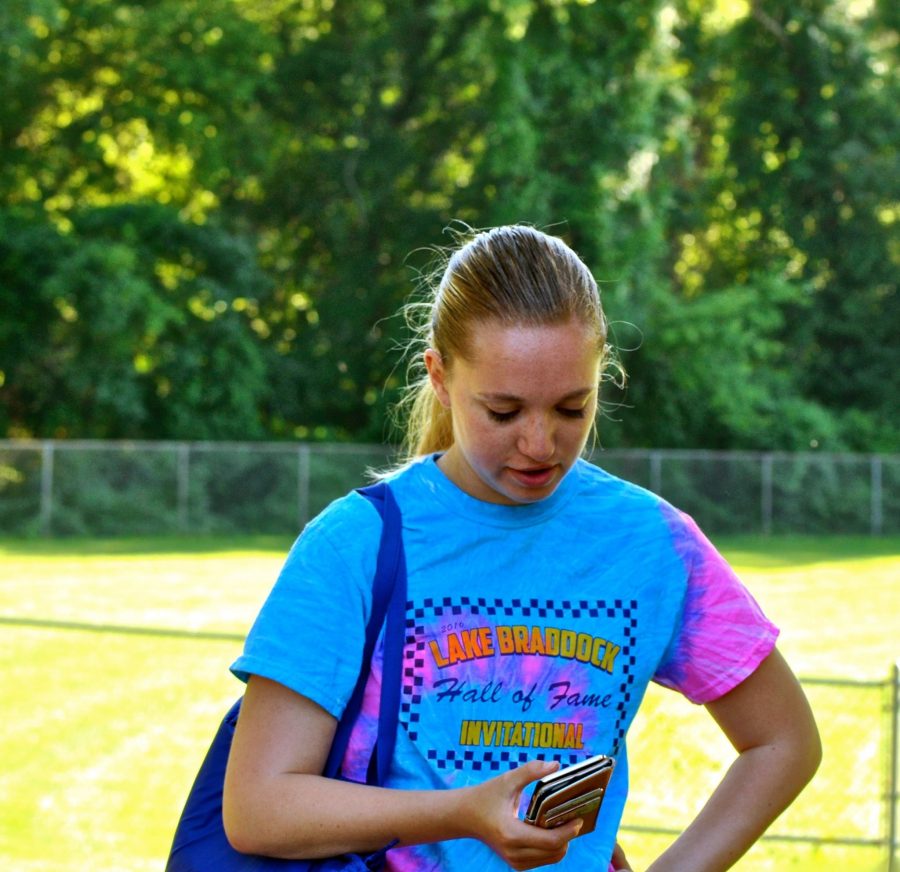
[(522, 408)]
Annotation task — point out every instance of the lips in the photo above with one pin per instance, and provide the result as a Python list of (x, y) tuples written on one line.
[(537, 477)]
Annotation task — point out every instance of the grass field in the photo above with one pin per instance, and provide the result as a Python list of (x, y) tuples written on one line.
[(104, 729)]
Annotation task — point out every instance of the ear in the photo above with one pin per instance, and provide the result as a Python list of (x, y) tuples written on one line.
[(438, 375)]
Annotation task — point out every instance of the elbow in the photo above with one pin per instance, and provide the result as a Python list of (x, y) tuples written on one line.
[(813, 746), (246, 828), (253, 826), (806, 754), (813, 754), (240, 832), (804, 743)]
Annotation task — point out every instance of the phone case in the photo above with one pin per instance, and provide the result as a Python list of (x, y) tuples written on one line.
[(574, 792)]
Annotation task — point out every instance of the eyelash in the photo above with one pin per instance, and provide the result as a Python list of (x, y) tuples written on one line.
[(506, 417)]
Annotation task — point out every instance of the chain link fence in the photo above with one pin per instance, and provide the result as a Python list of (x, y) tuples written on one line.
[(58, 488)]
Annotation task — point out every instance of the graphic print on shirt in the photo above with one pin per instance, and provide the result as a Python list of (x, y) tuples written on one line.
[(489, 684)]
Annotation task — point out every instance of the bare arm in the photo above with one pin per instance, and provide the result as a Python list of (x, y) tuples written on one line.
[(276, 803), (768, 721)]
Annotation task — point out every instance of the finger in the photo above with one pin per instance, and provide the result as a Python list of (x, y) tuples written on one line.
[(577, 826), (552, 838), (518, 779), (528, 858), (533, 856), (537, 862), (531, 771), (569, 830), (619, 862)]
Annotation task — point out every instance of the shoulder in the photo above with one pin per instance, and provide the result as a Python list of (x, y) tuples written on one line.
[(415, 485), (638, 523), (605, 487), (603, 491), (350, 514), (345, 535)]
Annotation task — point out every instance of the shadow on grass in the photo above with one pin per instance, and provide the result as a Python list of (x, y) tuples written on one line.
[(749, 550), (133, 545), (766, 551), (129, 630)]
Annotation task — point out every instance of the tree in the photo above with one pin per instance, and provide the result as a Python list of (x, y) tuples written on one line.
[(134, 324), (116, 102), (389, 121), (218, 179), (790, 174)]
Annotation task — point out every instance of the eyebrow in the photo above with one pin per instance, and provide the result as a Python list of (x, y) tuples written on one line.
[(581, 393)]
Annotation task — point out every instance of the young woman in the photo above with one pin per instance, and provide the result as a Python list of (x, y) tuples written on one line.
[(543, 596)]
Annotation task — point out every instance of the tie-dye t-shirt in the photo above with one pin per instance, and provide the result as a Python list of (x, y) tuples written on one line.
[(532, 631)]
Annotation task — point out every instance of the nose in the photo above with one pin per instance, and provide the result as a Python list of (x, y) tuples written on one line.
[(536, 439)]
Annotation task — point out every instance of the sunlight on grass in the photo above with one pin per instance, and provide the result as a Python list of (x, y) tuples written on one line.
[(837, 609), (109, 728)]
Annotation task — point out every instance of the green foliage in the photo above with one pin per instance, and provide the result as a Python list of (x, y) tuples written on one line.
[(796, 160), (111, 494), (243, 490), (727, 170), (135, 324), (20, 491), (717, 372), (829, 492)]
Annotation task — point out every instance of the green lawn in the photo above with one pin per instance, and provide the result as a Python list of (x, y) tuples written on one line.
[(104, 730)]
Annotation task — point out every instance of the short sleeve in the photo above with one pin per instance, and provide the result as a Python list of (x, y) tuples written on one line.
[(310, 632), (723, 635)]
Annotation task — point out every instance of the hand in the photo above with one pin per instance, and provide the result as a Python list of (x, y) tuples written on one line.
[(619, 862), (493, 807)]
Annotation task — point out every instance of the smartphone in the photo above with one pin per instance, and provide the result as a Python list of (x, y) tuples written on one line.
[(574, 792)]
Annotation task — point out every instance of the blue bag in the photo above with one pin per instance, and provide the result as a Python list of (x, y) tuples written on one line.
[(200, 844)]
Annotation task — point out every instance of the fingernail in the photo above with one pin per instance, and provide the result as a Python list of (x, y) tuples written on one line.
[(578, 827)]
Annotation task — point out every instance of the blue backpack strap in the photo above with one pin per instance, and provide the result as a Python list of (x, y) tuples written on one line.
[(394, 638), (388, 609)]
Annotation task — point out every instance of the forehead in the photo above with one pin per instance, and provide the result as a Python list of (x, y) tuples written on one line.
[(516, 359)]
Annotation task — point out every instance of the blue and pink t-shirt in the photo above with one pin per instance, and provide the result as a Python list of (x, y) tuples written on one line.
[(531, 631)]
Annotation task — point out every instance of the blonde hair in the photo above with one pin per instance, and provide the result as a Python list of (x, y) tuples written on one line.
[(516, 275)]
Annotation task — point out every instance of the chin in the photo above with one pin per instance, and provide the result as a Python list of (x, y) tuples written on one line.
[(522, 496)]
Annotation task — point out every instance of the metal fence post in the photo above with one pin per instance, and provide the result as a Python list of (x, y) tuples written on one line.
[(893, 763), (46, 486), (877, 515), (767, 463), (656, 472), (184, 485), (303, 476)]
